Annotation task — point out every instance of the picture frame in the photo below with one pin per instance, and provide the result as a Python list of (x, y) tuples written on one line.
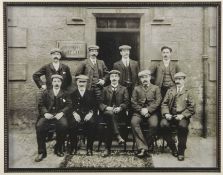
[(74, 24)]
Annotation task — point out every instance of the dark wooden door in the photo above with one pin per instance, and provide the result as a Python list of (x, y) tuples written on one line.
[(109, 43)]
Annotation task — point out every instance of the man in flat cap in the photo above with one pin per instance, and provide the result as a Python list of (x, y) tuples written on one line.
[(146, 99), (95, 69), (55, 67), (54, 105), (128, 69), (177, 108), (114, 106), (164, 71), (83, 114)]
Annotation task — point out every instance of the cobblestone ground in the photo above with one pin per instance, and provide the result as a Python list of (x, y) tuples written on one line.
[(200, 153)]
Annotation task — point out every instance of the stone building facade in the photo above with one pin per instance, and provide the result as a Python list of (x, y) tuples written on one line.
[(33, 30)]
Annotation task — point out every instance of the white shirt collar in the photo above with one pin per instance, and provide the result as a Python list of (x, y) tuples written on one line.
[(114, 86), (94, 61), (166, 63), (82, 91), (179, 89), (56, 65), (124, 61), (56, 91)]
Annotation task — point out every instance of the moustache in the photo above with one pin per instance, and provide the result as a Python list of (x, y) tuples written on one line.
[(56, 85), (145, 81), (56, 58)]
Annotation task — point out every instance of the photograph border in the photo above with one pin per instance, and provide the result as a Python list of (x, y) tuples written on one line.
[(113, 4)]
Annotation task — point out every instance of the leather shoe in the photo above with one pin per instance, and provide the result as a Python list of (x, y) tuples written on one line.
[(89, 153), (74, 152), (174, 152), (106, 153), (60, 154), (141, 154), (180, 157), (40, 157), (120, 140)]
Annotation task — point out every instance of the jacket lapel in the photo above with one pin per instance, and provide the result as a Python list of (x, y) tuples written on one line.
[(90, 63)]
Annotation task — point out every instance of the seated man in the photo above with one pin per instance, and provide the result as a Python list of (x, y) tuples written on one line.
[(53, 106), (83, 114), (177, 108), (114, 106), (146, 99)]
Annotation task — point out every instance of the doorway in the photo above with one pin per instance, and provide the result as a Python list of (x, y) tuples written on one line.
[(112, 33)]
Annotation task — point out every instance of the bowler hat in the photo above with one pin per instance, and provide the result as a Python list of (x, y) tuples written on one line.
[(165, 47)]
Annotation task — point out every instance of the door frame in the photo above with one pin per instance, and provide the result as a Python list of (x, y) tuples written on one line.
[(93, 13)]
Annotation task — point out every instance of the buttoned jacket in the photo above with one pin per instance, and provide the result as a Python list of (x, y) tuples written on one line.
[(83, 104), (87, 68), (134, 66), (46, 102), (185, 103), (48, 70), (150, 98), (158, 70), (122, 97)]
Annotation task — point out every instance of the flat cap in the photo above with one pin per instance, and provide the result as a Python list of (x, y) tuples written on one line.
[(56, 76), (166, 47), (144, 72), (180, 74), (125, 47), (82, 77), (114, 72), (93, 47), (55, 50)]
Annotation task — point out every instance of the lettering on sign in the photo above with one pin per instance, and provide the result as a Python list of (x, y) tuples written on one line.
[(72, 49)]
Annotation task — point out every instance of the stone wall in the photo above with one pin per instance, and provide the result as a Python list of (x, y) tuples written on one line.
[(33, 31)]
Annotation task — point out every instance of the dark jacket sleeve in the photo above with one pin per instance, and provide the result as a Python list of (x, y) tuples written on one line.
[(38, 74), (80, 69), (68, 104), (102, 106), (134, 102), (155, 104), (69, 77), (42, 105), (105, 72), (125, 103), (190, 109), (165, 104)]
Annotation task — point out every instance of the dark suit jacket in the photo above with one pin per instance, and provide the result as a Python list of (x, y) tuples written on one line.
[(48, 70), (184, 102), (83, 105), (157, 70), (87, 68), (122, 97), (152, 95), (46, 102), (134, 70)]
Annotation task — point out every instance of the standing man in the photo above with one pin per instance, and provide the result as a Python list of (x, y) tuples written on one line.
[(54, 105), (53, 68), (128, 68), (146, 99), (177, 108), (164, 71), (114, 106), (96, 71), (83, 114)]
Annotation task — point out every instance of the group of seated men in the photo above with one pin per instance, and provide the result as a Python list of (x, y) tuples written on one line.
[(161, 105)]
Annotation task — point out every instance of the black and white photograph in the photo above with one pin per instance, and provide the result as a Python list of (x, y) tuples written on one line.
[(112, 86)]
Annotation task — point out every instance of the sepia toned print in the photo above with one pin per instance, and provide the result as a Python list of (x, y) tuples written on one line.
[(112, 86)]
